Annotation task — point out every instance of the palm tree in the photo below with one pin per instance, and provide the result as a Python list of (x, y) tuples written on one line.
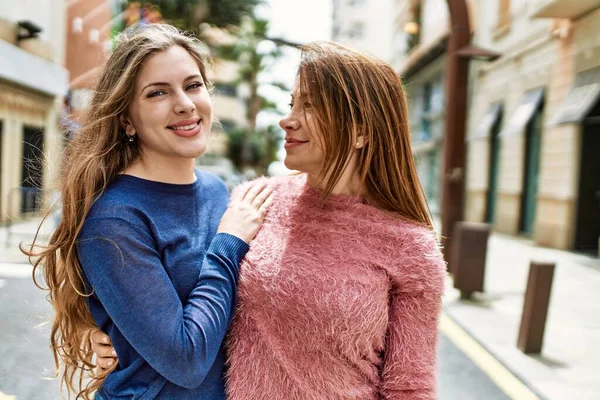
[(189, 14), (249, 146)]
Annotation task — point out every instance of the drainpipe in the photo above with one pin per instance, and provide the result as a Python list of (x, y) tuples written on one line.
[(457, 69)]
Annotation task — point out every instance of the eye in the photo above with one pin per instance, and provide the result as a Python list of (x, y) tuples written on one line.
[(291, 105), (156, 93), (194, 85)]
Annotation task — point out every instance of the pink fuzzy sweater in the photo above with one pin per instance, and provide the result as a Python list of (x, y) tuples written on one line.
[(337, 300)]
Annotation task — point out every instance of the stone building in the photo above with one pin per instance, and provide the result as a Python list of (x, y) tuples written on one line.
[(534, 131), (33, 81), (366, 25)]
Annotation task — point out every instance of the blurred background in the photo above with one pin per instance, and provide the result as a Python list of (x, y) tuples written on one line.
[(504, 99)]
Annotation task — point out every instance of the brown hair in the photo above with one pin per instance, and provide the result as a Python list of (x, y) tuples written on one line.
[(99, 151), (354, 94)]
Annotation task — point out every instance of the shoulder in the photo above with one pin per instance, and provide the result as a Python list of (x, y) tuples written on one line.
[(211, 182), (109, 215), (281, 185), (115, 208), (415, 257)]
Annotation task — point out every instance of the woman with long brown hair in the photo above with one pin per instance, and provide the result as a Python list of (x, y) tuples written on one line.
[(340, 293), (145, 248)]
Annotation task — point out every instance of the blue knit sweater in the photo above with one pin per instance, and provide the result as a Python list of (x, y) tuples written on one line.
[(164, 285)]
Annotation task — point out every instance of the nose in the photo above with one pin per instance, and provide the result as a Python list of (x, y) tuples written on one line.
[(289, 123), (183, 104)]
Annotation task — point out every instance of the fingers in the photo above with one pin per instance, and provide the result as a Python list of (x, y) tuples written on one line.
[(105, 351), (265, 205), (106, 356), (253, 191), (101, 344), (99, 337), (261, 197), (106, 363)]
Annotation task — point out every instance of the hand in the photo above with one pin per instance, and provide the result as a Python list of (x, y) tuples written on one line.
[(244, 217), (106, 357)]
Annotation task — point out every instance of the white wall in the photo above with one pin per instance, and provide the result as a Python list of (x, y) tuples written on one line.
[(434, 19), (377, 18), (50, 15)]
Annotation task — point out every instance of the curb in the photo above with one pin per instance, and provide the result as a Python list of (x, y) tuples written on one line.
[(513, 384)]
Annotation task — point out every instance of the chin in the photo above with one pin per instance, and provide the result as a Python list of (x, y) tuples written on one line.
[(297, 165), (195, 151), (290, 164)]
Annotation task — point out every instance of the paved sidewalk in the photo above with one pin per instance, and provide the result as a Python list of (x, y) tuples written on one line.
[(20, 232), (569, 365)]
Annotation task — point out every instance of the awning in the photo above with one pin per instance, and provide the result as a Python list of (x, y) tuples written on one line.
[(582, 97), (521, 117), (484, 127)]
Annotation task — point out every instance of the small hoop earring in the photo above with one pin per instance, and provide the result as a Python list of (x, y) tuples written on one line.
[(131, 138)]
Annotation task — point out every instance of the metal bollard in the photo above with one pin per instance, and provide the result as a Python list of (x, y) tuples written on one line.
[(469, 250), (535, 307)]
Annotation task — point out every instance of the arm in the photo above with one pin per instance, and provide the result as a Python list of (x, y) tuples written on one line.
[(409, 369), (180, 341)]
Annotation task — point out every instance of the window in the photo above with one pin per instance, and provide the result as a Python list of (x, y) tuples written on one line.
[(226, 89), (227, 124)]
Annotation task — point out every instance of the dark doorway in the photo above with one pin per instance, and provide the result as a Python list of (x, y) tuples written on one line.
[(588, 204), (490, 210), (532, 171), (32, 169)]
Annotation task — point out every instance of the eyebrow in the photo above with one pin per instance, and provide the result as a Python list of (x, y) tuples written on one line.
[(167, 84)]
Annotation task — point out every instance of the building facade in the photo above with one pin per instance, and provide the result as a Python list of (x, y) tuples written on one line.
[(534, 132), (229, 106), (90, 25), (365, 25), (420, 40), (33, 81)]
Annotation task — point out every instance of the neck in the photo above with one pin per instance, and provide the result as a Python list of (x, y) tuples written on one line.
[(349, 182), (179, 172)]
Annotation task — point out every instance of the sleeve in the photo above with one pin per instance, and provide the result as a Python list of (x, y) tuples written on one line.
[(409, 369), (410, 359), (180, 341)]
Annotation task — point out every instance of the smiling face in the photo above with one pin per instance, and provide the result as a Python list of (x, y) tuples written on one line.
[(303, 145), (171, 109)]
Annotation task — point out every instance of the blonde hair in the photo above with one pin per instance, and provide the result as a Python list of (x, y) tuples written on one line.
[(353, 94), (99, 151)]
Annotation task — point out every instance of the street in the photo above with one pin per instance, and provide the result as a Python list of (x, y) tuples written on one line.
[(27, 361)]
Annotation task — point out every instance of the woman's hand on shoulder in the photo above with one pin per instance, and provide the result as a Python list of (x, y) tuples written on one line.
[(245, 214)]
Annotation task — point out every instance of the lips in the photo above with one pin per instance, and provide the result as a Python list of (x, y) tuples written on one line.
[(291, 143), (187, 128), (292, 140), (185, 125)]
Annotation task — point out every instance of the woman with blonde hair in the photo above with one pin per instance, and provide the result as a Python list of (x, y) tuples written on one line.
[(145, 248), (340, 293)]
